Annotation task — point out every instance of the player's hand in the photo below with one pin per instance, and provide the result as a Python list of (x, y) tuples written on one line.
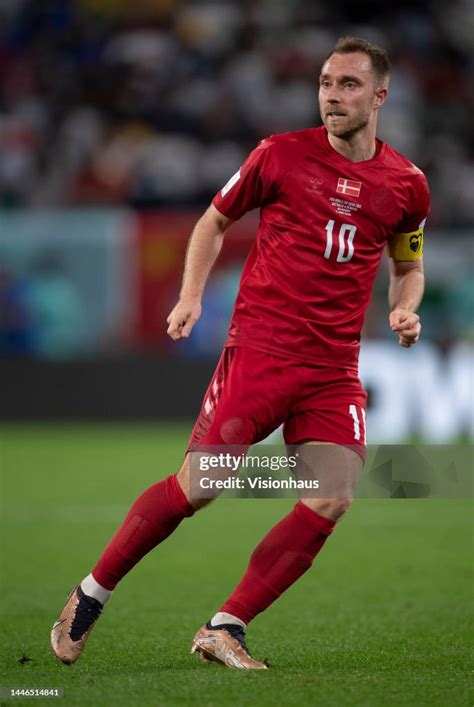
[(183, 318), (407, 325)]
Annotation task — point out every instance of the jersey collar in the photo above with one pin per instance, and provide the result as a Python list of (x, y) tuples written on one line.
[(342, 161)]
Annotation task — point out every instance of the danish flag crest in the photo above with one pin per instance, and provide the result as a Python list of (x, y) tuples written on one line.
[(348, 187)]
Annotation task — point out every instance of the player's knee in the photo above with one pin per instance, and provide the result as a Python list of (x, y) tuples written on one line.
[(196, 496), (198, 503), (340, 507), (332, 508)]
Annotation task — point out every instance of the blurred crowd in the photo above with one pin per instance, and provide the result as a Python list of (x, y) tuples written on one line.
[(41, 311), (156, 102)]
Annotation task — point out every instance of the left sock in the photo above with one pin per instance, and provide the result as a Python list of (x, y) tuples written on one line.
[(91, 588), (156, 514), (283, 555), (222, 617)]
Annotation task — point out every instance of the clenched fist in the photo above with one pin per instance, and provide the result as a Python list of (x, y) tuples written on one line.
[(183, 318), (407, 325)]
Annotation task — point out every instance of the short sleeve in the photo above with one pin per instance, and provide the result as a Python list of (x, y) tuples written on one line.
[(407, 243), (251, 186)]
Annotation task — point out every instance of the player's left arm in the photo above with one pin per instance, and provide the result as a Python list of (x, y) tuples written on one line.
[(407, 282), (405, 248)]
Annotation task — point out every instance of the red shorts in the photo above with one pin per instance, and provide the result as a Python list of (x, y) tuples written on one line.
[(252, 393)]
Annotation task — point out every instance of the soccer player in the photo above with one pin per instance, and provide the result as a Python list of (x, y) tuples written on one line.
[(331, 200)]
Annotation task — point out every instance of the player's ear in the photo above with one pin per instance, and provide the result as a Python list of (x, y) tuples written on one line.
[(380, 96)]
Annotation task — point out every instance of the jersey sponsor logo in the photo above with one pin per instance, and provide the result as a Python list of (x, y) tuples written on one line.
[(348, 187), (233, 180)]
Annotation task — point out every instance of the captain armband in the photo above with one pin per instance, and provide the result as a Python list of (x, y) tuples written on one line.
[(407, 246)]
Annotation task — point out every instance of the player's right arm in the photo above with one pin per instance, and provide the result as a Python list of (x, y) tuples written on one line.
[(204, 246), (250, 187)]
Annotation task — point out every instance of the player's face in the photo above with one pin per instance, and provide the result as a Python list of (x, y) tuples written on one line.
[(348, 94)]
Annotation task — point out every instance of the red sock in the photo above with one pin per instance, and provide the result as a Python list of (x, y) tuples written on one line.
[(284, 554), (154, 515)]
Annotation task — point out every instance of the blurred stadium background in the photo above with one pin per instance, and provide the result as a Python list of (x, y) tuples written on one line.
[(119, 120), (118, 123)]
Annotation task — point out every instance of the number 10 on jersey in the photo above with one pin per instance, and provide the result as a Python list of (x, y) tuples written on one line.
[(346, 241)]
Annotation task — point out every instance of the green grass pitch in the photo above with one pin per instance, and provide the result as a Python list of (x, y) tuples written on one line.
[(384, 616)]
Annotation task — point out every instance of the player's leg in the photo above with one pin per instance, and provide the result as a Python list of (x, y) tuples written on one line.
[(230, 414), (159, 510), (269, 399), (290, 548), (155, 514), (284, 555), (337, 469)]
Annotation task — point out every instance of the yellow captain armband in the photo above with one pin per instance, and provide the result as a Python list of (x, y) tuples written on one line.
[(407, 246)]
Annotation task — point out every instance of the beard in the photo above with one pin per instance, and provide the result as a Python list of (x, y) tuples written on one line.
[(348, 127)]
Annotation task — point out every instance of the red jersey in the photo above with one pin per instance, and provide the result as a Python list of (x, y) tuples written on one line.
[(324, 223)]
